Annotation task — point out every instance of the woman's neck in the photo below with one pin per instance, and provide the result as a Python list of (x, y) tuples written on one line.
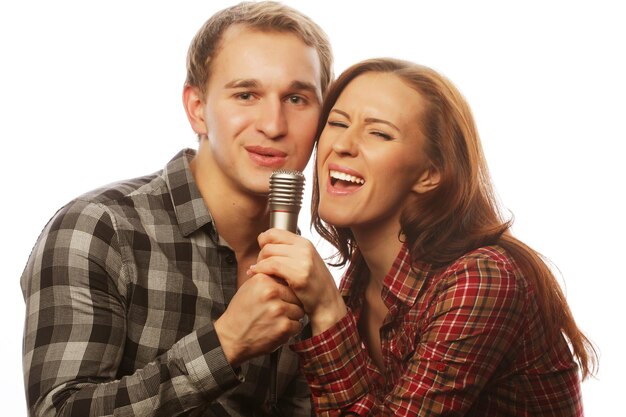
[(379, 249)]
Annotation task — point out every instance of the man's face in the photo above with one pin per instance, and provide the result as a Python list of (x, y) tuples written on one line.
[(261, 108)]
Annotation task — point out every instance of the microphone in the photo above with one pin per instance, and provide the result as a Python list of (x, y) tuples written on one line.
[(285, 200)]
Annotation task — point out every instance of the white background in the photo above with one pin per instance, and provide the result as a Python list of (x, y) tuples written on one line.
[(90, 93)]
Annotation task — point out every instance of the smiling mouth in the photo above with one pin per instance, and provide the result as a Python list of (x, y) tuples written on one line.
[(342, 180), (267, 152), (267, 157)]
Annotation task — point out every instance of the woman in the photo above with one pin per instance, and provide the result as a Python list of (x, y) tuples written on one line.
[(442, 311)]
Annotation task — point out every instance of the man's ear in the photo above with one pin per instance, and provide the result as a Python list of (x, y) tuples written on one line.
[(194, 107), (429, 180)]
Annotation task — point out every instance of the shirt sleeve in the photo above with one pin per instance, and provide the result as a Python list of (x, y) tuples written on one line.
[(296, 400), (475, 314), (75, 289), (334, 363)]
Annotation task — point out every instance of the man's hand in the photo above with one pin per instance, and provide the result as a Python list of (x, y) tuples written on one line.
[(262, 315)]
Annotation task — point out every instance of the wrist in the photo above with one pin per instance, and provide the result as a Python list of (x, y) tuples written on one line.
[(326, 317), (228, 344)]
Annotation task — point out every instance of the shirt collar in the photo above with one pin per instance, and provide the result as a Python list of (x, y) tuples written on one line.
[(350, 276), (191, 211), (404, 281)]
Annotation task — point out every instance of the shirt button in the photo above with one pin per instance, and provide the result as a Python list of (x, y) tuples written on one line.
[(230, 259), (441, 366)]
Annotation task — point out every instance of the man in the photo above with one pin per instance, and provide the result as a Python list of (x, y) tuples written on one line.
[(137, 298)]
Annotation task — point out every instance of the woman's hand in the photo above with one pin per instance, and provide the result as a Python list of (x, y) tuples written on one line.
[(295, 260)]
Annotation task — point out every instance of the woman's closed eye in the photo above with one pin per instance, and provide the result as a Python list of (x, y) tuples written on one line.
[(382, 135), (336, 123)]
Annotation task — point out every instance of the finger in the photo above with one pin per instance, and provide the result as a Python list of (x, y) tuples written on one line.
[(288, 296), (285, 268), (275, 289), (277, 249), (290, 328), (290, 311), (297, 325), (275, 235)]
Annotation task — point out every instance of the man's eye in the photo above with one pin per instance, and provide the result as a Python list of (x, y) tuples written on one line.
[(296, 100), (244, 96)]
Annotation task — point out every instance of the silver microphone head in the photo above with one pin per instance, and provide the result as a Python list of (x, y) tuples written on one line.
[(285, 199)]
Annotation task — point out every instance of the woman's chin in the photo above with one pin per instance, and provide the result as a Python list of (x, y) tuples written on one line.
[(333, 218), (340, 221)]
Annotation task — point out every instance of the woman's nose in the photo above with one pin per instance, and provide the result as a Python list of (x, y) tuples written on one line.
[(346, 142)]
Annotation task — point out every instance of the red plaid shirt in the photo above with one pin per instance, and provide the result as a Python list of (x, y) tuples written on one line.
[(465, 341)]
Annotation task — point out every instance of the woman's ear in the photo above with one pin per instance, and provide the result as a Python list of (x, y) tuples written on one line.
[(429, 180), (194, 107)]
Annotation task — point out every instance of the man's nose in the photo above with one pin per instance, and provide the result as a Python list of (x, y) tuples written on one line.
[(272, 120)]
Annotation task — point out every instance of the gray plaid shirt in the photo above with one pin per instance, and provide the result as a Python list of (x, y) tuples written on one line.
[(121, 292)]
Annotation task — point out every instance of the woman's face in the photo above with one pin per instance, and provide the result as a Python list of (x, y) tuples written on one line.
[(370, 155)]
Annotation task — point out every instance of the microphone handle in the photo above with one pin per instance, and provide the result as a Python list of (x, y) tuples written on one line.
[(284, 220), (284, 204)]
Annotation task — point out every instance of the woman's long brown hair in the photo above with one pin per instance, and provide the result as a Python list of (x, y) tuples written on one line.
[(462, 213)]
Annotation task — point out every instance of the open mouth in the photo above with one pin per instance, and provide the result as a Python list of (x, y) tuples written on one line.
[(342, 180)]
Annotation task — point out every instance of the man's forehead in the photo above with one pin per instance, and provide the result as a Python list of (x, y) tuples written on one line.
[(253, 58)]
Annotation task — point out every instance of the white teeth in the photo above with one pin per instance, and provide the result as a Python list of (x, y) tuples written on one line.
[(346, 177)]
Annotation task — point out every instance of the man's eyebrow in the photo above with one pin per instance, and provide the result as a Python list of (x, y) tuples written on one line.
[(251, 82), (308, 87), (242, 83), (303, 85), (367, 119)]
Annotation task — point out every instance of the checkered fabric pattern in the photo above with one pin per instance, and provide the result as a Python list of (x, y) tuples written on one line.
[(121, 292), (466, 341)]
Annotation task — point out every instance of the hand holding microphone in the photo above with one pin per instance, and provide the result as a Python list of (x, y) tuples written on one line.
[(265, 313), (294, 259), (285, 200)]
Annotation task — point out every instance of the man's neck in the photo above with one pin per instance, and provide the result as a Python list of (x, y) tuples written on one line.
[(239, 222), (239, 217)]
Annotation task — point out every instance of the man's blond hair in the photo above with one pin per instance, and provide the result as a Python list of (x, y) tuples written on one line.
[(264, 16)]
